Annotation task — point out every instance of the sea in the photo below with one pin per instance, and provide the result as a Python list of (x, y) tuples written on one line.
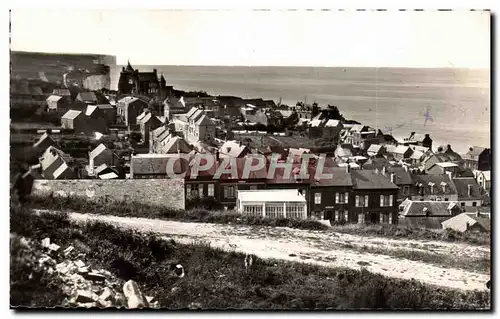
[(450, 104)]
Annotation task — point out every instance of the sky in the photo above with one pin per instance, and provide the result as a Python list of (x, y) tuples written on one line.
[(261, 38)]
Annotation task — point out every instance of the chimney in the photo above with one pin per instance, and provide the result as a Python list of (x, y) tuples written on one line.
[(467, 226), (449, 175), (155, 72), (478, 214), (348, 168), (427, 135), (393, 178), (384, 170), (406, 168), (469, 188)]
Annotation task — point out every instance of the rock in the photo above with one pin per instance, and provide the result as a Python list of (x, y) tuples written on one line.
[(135, 299), (68, 250), (94, 276), (84, 296), (107, 294), (83, 270), (79, 263), (46, 242), (120, 300), (53, 247), (105, 303)]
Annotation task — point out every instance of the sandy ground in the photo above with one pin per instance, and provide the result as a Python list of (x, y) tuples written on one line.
[(317, 247)]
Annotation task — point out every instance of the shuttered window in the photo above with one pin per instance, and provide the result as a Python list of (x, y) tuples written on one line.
[(336, 215), (200, 190), (211, 190), (346, 216), (346, 198), (337, 198), (366, 200), (317, 198)]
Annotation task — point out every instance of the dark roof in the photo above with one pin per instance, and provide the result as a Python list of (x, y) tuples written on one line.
[(432, 208), (377, 163), (147, 77), (462, 188), (437, 179), (484, 221), (340, 177), (156, 164), (368, 179), (403, 177), (476, 150)]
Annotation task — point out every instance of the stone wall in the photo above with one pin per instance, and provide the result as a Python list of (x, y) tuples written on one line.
[(161, 192)]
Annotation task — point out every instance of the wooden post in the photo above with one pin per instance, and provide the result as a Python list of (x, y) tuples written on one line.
[(284, 209)]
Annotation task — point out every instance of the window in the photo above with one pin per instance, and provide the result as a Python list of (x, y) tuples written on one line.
[(384, 218), (252, 210), (361, 201), (200, 190), (346, 216), (275, 210), (341, 198), (229, 191), (386, 200), (336, 215), (211, 190), (294, 210), (462, 204), (474, 204), (406, 190), (317, 198), (446, 199)]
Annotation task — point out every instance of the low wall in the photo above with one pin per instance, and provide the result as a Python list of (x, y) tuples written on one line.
[(160, 192)]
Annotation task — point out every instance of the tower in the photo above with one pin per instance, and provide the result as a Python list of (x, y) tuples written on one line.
[(126, 83)]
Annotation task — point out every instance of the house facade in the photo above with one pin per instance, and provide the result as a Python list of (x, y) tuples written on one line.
[(195, 126), (103, 155), (483, 179), (128, 109), (148, 122), (478, 158), (469, 192)]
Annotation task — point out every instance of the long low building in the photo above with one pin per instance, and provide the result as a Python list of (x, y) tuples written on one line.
[(276, 203)]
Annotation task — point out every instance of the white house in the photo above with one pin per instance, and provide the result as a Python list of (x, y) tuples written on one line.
[(276, 203)]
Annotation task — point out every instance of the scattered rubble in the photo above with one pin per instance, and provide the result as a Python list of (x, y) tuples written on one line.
[(87, 287)]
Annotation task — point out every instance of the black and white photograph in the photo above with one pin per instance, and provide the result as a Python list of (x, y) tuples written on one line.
[(249, 159)]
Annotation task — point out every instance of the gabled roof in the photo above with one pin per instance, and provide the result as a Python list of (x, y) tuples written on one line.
[(204, 120), (315, 123), (375, 148), (105, 106), (417, 155), (332, 123), (87, 96), (460, 221), (437, 180), (377, 163), (476, 150), (71, 115), (462, 185), (90, 109), (60, 170), (428, 208), (42, 138), (368, 179), (62, 92), (103, 168), (401, 149), (191, 112), (340, 177), (158, 131), (446, 164), (174, 145), (111, 175), (358, 128), (97, 151), (54, 98), (233, 148)]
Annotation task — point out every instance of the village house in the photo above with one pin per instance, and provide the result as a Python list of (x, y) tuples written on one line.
[(154, 166), (478, 158), (276, 203), (343, 151), (416, 158), (444, 154), (56, 103), (483, 179), (374, 198), (444, 168), (95, 119), (107, 112), (469, 222), (469, 193), (402, 178), (329, 198), (102, 155), (44, 142), (376, 150), (148, 122), (54, 164), (172, 106), (426, 214), (128, 109), (74, 120), (377, 163), (399, 153), (234, 149), (195, 126), (105, 172), (325, 128), (434, 188), (362, 136), (174, 145), (419, 140)]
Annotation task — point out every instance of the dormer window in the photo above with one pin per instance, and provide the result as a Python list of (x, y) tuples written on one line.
[(431, 185), (444, 185)]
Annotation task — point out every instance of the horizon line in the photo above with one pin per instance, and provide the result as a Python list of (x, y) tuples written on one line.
[(263, 66)]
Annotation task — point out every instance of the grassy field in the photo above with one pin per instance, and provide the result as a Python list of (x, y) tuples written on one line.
[(224, 217), (216, 279)]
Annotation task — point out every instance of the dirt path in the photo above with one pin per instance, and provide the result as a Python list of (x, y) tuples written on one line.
[(317, 247)]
